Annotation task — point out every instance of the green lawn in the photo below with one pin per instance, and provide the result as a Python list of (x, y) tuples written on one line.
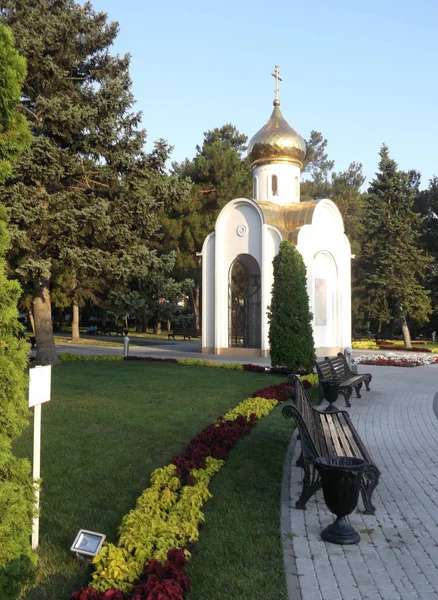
[(110, 424)]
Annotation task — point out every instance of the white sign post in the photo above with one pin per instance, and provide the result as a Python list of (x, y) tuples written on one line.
[(39, 392)]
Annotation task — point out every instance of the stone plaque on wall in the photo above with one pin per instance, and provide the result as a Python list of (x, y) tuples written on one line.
[(320, 302)]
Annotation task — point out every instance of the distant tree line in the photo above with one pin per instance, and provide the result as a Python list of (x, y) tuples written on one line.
[(98, 224)]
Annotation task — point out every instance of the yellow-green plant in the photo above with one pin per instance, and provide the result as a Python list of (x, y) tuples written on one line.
[(365, 345), (312, 378), (261, 407), (167, 515), (209, 363)]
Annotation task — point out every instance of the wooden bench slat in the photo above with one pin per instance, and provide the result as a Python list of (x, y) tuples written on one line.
[(347, 440), (339, 450), (331, 449), (355, 441)]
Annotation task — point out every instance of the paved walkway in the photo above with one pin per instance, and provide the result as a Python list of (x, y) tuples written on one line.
[(397, 557), (158, 349)]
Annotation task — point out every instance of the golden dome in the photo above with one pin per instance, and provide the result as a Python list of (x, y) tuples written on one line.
[(277, 141)]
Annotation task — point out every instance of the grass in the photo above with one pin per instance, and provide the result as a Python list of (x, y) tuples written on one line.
[(239, 555), (109, 425)]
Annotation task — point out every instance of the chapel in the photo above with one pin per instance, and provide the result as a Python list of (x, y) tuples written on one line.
[(237, 268)]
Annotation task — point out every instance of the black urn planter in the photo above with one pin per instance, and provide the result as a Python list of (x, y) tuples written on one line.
[(330, 389), (341, 477)]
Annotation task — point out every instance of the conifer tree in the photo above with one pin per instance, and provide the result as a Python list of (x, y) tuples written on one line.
[(392, 264), (16, 491), (290, 327), (85, 199), (219, 173), (426, 204)]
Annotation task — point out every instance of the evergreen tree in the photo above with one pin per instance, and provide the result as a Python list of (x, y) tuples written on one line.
[(290, 320), (392, 264), (219, 173), (85, 198), (426, 204), (16, 491), (319, 167)]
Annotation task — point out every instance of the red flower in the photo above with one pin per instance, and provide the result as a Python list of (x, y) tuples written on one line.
[(177, 557), (86, 594), (113, 595)]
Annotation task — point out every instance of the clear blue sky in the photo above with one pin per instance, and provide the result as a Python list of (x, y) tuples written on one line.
[(360, 72)]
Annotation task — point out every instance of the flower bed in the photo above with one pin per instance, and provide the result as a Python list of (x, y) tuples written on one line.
[(364, 345), (395, 360), (278, 392), (403, 348), (155, 537)]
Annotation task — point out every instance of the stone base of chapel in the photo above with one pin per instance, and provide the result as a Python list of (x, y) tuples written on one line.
[(235, 351), (320, 352)]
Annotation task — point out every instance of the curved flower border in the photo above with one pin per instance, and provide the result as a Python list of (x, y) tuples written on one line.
[(155, 537), (393, 359)]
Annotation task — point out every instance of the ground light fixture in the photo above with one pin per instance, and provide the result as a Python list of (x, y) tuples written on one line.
[(87, 544)]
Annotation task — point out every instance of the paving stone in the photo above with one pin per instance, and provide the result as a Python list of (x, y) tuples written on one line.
[(397, 558)]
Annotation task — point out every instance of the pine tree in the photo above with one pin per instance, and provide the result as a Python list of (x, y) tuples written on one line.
[(16, 491), (85, 199), (392, 264), (219, 173), (290, 327), (426, 204)]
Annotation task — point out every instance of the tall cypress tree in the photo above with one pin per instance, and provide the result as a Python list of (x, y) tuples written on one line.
[(392, 264), (290, 327), (84, 198), (16, 492)]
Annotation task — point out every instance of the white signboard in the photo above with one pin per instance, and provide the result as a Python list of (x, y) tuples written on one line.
[(39, 385)]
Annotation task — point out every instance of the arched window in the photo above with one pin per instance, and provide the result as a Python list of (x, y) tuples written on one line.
[(255, 187), (274, 185), (297, 188)]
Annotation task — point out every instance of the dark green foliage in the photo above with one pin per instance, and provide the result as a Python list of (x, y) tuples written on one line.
[(290, 328), (392, 264), (426, 204), (219, 173), (16, 491), (318, 165), (14, 132), (17, 572), (85, 198)]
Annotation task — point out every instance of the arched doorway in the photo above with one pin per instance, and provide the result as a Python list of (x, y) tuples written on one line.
[(325, 303), (244, 302)]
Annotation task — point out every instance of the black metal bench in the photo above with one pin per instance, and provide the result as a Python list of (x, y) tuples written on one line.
[(337, 369), (326, 434), (111, 330), (185, 332)]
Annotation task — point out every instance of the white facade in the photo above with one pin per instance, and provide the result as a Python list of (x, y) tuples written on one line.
[(245, 227), (237, 268), (278, 182)]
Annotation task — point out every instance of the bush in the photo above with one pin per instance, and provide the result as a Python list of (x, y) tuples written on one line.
[(16, 488), (66, 357), (210, 363), (290, 328)]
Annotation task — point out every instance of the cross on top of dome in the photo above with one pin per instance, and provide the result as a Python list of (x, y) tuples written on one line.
[(276, 74)]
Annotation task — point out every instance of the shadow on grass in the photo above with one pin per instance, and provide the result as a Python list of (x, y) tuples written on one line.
[(58, 575)]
